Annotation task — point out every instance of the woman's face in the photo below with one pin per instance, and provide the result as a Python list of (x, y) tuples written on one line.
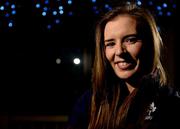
[(123, 46)]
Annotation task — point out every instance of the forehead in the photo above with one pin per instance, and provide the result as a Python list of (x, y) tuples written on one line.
[(124, 19), (121, 24)]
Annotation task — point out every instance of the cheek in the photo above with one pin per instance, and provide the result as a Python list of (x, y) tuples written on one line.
[(109, 54), (135, 51)]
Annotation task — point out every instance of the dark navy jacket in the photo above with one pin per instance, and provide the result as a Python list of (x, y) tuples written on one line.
[(164, 111)]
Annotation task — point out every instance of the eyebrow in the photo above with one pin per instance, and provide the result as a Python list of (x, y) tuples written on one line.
[(126, 36), (131, 35), (108, 40)]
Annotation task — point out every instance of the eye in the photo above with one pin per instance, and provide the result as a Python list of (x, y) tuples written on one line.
[(131, 40), (109, 44)]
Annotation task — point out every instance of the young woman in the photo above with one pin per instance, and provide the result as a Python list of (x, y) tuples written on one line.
[(129, 84)]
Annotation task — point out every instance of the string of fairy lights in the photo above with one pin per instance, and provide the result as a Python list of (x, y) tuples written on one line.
[(54, 11)]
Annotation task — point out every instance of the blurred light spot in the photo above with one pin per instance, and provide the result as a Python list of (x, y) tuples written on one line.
[(7, 15), (69, 1), (106, 6), (7, 3), (70, 13), (13, 6), (93, 1), (150, 3), (58, 61), (49, 26), (94, 8), (164, 5), (44, 13), (46, 1), (174, 5), (54, 13), (160, 13), (13, 12), (38, 5), (45, 8), (158, 7), (61, 11), (57, 21), (10, 24), (76, 61), (139, 3), (168, 13), (60, 7), (2, 8)]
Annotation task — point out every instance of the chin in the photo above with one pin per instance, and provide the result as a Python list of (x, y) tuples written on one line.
[(126, 74)]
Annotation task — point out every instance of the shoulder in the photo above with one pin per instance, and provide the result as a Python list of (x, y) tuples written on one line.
[(169, 97), (169, 93), (169, 106)]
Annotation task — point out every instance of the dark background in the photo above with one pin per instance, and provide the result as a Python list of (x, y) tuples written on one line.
[(32, 81)]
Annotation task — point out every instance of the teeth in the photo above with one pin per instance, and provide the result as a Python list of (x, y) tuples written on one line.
[(123, 64)]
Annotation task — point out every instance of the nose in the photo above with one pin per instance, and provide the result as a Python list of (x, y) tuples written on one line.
[(120, 48)]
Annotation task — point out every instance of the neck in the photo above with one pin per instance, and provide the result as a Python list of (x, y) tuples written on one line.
[(133, 82), (130, 87)]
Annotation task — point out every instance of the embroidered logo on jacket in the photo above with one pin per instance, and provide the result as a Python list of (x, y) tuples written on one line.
[(150, 111)]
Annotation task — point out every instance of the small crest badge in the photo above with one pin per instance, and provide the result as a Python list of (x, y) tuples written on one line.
[(152, 108)]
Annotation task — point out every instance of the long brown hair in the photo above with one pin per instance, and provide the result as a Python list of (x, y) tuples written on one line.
[(106, 111)]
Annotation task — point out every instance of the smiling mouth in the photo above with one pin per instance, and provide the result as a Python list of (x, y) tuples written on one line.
[(124, 65)]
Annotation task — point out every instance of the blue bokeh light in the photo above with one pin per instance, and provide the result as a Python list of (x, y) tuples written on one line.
[(57, 9)]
